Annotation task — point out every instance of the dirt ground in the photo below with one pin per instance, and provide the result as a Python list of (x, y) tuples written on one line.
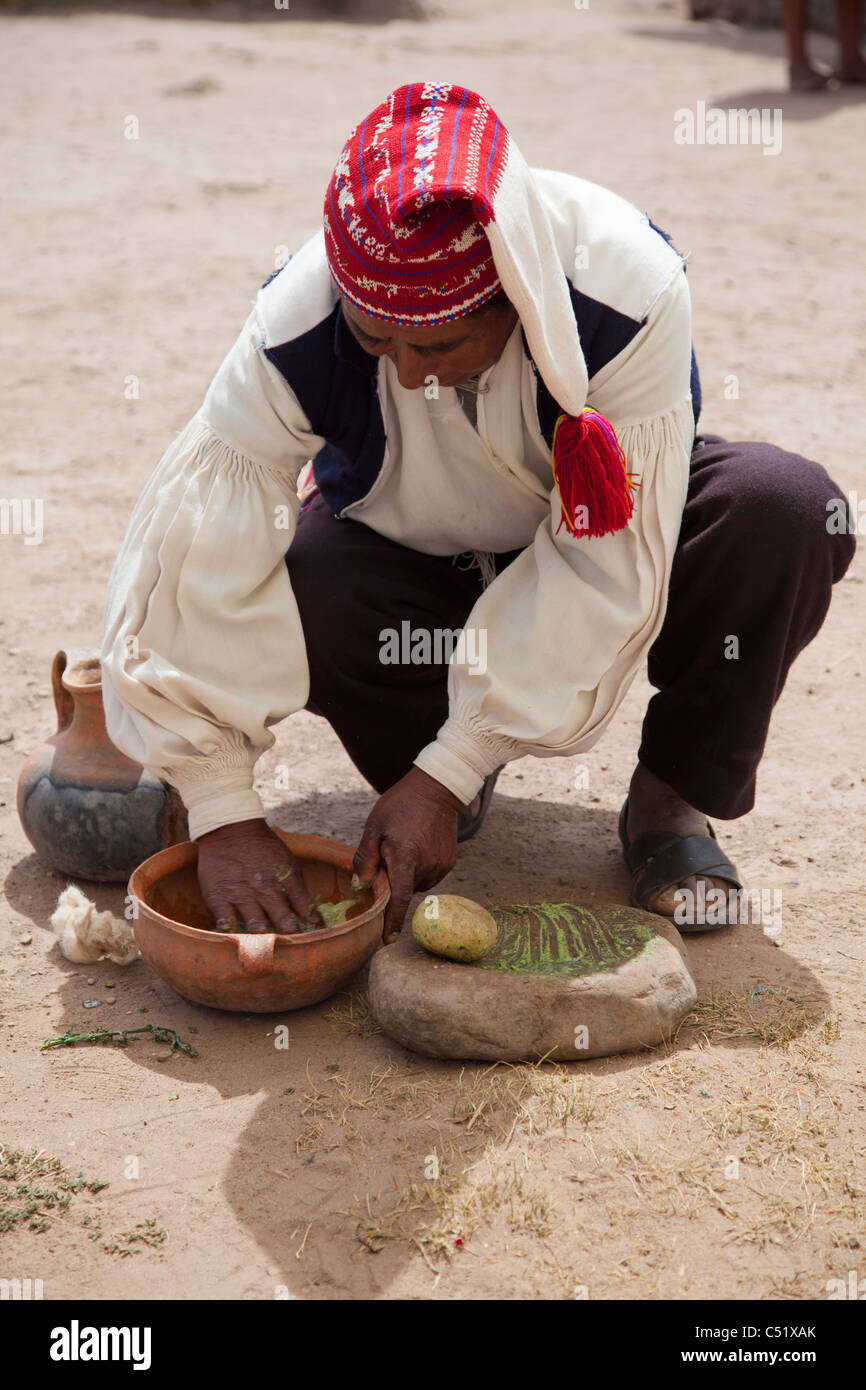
[(306, 1172)]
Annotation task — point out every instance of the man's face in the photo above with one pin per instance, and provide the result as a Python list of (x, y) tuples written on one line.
[(451, 352)]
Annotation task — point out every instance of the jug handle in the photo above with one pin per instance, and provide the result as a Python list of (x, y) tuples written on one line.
[(63, 701), (256, 953)]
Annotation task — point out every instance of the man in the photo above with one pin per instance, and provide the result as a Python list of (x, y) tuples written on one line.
[(491, 370)]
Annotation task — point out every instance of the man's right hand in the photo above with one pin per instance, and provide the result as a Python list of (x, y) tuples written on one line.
[(250, 879)]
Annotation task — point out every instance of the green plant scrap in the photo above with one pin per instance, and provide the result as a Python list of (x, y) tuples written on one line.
[(121, 1037), (130, 1242), (34, 1189)]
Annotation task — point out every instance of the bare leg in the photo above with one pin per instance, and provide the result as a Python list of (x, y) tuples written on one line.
[(852, 66), (804, 78)]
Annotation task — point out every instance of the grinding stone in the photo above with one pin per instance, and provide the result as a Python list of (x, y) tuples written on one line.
[(564, 981)]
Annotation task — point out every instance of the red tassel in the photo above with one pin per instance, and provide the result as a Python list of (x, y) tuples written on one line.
[(591, 475)]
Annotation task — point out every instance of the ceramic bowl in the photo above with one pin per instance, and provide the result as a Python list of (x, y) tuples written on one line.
[(249, 973)]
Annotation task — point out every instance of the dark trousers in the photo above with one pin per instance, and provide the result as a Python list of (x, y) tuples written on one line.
[(750, 587)]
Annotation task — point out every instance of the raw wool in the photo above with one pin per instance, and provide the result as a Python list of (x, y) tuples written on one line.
[(87, 935)]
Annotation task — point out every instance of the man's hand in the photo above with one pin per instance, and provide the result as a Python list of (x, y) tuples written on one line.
[(249, 878), (412, 832)]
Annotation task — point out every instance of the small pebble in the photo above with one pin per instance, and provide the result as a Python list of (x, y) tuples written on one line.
[(25, 940), (163, 1056), (91, 979), (92, 1003), (112, 999)]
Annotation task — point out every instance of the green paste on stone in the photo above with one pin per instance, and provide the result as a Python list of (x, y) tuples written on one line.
[(566, 939)]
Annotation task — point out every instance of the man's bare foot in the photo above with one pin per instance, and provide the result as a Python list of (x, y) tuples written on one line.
[(804, 78), (654, 807)]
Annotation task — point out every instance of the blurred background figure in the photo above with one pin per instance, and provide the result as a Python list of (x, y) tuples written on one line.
[(851, 66)]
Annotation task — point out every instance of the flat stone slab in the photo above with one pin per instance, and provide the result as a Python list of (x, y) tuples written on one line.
[(565, 981)]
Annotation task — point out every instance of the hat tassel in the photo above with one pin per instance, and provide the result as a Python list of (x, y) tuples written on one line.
[(591, 475)]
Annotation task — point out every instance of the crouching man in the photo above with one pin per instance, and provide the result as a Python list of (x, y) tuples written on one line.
[(490, 368)]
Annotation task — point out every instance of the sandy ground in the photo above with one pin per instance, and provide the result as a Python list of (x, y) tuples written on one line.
[(306, 1172)]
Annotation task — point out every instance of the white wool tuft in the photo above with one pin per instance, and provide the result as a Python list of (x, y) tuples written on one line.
[(87, 935)]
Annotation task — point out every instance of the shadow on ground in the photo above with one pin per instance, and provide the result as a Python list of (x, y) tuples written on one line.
[(229, 11)]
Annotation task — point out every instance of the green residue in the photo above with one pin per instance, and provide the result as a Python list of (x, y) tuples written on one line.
[(566, 938), (335, 914)]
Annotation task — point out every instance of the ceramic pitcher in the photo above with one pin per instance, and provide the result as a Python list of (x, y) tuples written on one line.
[(89, 811)]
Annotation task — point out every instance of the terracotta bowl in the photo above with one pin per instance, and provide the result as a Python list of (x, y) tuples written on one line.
[(253, 973)]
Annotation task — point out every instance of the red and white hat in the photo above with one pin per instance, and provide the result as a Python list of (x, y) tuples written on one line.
[(406, 206)]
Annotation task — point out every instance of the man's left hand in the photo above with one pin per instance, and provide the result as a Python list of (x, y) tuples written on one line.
[(412, 833)]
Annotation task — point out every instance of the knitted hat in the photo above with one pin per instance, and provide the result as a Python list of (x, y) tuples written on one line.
[(432, 209), (404, 207)]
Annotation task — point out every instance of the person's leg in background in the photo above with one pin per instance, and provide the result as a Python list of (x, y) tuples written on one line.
[(802, 75), (852, 65)]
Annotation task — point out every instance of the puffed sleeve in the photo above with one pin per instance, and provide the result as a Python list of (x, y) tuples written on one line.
[(203, 647)]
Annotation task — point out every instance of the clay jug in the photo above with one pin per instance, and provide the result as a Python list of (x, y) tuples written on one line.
[(88, 810)]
